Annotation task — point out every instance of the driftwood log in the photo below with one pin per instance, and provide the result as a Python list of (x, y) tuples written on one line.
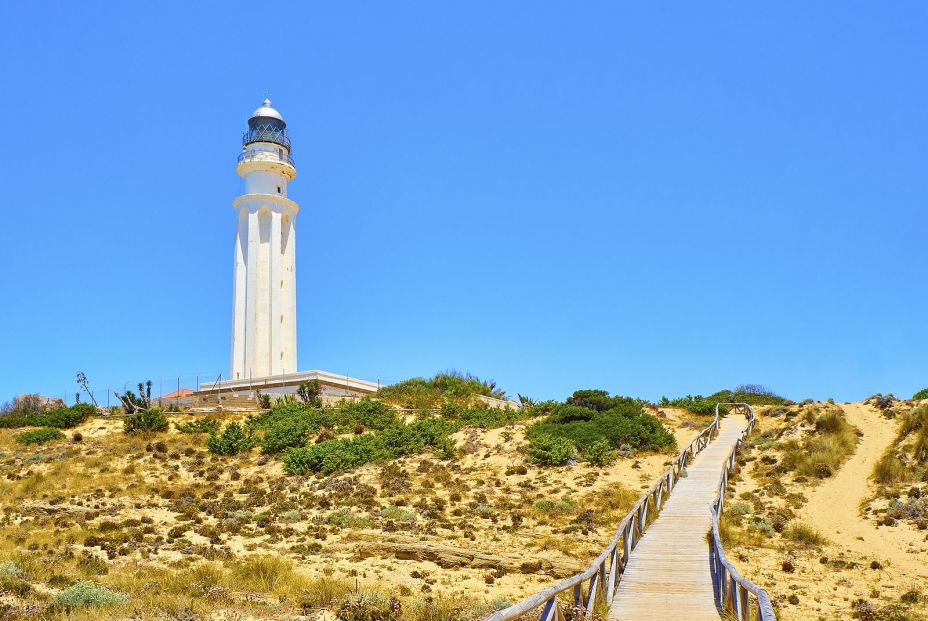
[(450, 557)]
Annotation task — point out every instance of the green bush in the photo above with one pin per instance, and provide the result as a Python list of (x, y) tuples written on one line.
[(369, 413), (284, 434), (62, 418), (921, 394), (83, 410), (550, 450), (600, 453), (484, 417), (202, 425), (344, 454), (295, 411), (151, 420), (231, 441), (39, 436), (89, 594), (625, 423)]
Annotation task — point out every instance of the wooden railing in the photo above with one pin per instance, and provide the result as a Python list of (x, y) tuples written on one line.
[(733, 592), (603, 575)]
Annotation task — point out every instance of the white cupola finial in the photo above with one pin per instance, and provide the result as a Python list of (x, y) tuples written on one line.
[(267, 103)]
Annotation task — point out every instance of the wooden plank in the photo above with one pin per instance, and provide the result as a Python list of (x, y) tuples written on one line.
[(668, 575)]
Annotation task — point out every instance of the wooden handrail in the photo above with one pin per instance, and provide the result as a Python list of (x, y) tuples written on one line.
[(732, 590), (604, 574)]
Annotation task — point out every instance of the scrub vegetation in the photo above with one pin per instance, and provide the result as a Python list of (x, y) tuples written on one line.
[(803, 521), (62, 418), (448, 387), (595, 427), (364, 510), (752, 394), (903, 468)]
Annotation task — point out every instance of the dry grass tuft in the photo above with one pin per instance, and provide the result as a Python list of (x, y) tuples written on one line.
[(805, 534)]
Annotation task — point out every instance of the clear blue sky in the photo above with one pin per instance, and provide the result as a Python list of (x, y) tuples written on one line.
[(652, 198)]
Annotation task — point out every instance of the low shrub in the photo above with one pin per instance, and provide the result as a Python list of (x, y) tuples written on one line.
[(600, 453), (89, 594), (482, 416), (448, 387), (369, 606), (343, 454), (61, 418), (202, 425), (231, 441), (284, 434), (82, 411), (551, 450), (369, 413), (596, 433), (9, 569), (39, 436), (151, 420), (921, 394), (346, 518)]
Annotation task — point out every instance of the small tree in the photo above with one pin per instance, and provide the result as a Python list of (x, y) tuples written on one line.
[(308, 392), (263, 400)]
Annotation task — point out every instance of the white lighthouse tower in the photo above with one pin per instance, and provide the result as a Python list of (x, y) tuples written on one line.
[(264, 299)]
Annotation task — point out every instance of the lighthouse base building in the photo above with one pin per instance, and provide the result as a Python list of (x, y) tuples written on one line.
[(264, 322)]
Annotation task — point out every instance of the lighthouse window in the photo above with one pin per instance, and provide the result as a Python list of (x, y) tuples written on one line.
[(278, 189)]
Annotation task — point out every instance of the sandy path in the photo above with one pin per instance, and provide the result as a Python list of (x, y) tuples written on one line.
[(833, 506)]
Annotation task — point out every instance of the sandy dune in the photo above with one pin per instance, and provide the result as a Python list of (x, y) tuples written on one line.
[(834, 506)]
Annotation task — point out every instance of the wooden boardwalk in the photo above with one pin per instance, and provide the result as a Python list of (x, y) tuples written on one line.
[(667, 576)]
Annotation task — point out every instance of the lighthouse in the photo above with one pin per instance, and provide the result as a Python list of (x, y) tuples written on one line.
[(264, 289)]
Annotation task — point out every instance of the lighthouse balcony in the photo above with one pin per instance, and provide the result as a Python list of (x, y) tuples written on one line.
[(276, 157), (266, 133)]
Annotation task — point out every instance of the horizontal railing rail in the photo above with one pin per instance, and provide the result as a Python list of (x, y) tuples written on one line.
[(265, 156), (602, 577), (733, 592)]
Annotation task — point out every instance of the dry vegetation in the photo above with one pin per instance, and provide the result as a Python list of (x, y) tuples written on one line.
[(153, 526)]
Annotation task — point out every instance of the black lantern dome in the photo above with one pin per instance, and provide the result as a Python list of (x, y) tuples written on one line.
[(266, 125)]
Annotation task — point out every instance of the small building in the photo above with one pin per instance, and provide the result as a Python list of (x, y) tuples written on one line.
[(333, 387)]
